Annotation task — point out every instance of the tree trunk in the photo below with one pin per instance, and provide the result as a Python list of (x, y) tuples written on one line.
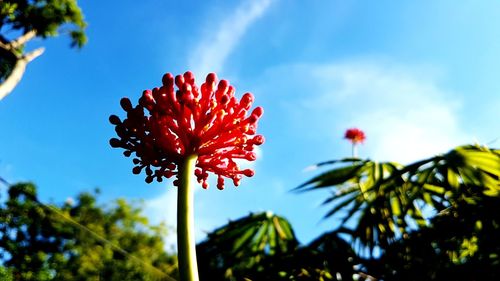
[(17, 73)]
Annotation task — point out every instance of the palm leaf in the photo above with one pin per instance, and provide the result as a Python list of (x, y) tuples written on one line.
[(245, 243), (389, 199)]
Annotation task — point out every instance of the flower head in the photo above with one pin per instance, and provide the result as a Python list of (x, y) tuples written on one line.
[(355, 135), (167, 125)]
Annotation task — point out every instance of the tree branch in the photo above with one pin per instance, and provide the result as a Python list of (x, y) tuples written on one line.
[(18, 42), (4, 45), (33, 54), (17, 73), (21, 40), (366, 276)]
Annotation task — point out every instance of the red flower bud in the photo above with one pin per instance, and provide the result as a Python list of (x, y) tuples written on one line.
[(115, 120), (115, 143), (258, 140), (126, 104), (137, 170), (258, 111), (248, 172)]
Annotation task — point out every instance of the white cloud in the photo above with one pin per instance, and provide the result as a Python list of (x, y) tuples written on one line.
[(405, 113), (164, 209), (211, 54)]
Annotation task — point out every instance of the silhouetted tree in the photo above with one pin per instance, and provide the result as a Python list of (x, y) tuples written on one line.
[(434, 219)]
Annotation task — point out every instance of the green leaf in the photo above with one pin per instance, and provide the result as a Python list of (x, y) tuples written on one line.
[(333, 177)]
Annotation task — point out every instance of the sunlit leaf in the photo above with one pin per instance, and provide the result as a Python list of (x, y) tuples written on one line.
[(245, 243)]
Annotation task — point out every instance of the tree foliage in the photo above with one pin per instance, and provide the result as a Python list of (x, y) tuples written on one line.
[(458, 244), (23, 20), (241, 247), (79, 241), (433, 219), (263, 246), (45, 17), (428, 220)]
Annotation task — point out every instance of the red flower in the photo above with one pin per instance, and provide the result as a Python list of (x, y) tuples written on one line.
[(208, 121), (355, 135)]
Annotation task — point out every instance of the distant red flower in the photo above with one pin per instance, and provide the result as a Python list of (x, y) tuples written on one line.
[(209, 122), (355, 135)]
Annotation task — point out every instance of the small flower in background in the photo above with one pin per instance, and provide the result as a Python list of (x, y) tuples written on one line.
[(168, 125), (355, 136)]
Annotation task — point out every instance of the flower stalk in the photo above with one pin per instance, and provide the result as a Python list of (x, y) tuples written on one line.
[(186, 246), (183, 131)]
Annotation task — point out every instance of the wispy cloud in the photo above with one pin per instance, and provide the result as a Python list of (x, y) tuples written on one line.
[(211, 54)]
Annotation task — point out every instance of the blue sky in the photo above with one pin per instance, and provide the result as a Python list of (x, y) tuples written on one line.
[(418, 77)]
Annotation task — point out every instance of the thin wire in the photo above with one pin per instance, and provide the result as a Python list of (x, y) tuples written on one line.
[(492, 141), (102, 239), (6, 183)]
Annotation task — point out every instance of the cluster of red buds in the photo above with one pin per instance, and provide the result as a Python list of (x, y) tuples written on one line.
[(355, 135), (168, 125)]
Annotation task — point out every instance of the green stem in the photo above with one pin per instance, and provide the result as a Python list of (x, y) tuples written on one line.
[(186, 247)]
